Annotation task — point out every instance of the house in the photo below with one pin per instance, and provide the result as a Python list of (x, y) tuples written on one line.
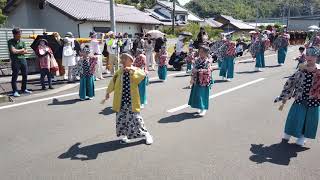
[(162, 11), (296, 23), (233, 25), (212, 23), (77, 16)]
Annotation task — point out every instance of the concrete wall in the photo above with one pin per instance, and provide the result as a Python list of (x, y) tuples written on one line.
[(301, 25), (29, 16), (55, 21), (19, 17)]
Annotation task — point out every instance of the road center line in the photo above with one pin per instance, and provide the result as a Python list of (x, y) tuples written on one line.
[(100, 89), (218, 94), (64, 95)]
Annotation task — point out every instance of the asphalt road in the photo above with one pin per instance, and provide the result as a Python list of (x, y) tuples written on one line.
[(55, 136)]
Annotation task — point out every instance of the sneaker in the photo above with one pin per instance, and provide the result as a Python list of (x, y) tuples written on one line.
[(16, 94), (97, 79), (43, 88), (301, 141), (286, 137), (90, 98), (102, 78), (50, 87), (82, 99), (229, 80), (124, 140), (142, 106), (27, 91), (202, 113), (149, 138), (223, 78)]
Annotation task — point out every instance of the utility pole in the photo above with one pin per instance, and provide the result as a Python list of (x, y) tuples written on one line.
[(288, 15), (173, 15), (112, 17)]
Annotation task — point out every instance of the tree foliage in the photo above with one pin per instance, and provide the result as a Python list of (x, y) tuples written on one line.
[(250, 9), (3, 18)]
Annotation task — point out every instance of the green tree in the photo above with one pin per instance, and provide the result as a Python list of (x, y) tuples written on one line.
[(3, 18)]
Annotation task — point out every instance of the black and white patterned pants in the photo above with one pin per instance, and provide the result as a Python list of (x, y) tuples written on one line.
[(129, 123)]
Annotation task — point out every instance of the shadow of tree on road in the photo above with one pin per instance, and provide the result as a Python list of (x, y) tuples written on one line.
[(107, 111), (279, 154), (179, 118), (91, 152)]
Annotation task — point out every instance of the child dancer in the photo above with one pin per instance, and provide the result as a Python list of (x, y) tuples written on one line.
[(202, 81), (86, 68), (141, 63), (162, 64), (190, 59), (227, 65), (302, 58), (303, 86), (126, 101)]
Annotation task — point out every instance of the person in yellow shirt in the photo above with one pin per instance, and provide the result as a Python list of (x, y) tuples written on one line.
[(126, 101)]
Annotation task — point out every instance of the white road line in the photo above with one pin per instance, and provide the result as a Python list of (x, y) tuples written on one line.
[(98, 89), (218, 94), (65, 95)]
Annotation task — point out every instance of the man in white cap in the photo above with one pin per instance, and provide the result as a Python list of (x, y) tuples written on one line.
[(113, 50)]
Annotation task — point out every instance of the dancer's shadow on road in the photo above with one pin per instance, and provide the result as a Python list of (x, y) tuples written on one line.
[(91, 152), (155, 82), (273, 66), (248, 72), (179, 118), (57, 102), (107, 111), (279, 154)]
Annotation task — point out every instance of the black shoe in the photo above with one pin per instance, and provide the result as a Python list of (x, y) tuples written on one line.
[(51, 87), (43, 88)]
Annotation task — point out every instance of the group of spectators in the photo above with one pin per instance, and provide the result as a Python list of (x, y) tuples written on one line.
[(59, 63)]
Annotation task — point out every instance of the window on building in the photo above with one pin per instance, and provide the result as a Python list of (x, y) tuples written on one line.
[(101, 29)]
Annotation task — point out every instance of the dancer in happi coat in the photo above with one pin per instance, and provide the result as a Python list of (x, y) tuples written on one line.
[(86, 68), (257, 49), (190, 59), (281, 44), (163, 64), (201, 81), (96, 51), (304, 87), (227, 65), (219, 50), (141, 63), (126, 101)]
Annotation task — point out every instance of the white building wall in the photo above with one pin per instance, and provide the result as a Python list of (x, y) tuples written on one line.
[(130, 28)]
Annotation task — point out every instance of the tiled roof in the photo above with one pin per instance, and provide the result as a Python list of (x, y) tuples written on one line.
[(194, 18), (211, 22), (170, 6), (97, 10), (238, 23)]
